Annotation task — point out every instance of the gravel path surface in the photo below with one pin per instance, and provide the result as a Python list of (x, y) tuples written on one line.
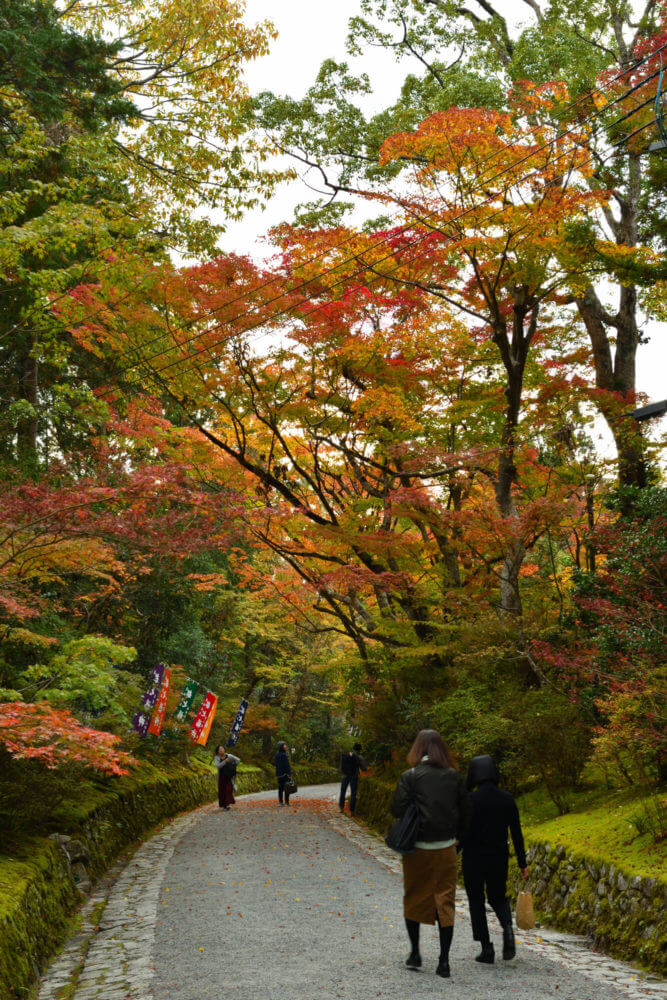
[(271, 903)]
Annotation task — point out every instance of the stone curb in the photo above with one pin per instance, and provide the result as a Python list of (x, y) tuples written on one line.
[(95, 951)]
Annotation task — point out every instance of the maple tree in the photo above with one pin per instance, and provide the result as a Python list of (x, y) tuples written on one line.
[(490, 263), (54, 737), (375, 486), (68, 524), (474, 55)]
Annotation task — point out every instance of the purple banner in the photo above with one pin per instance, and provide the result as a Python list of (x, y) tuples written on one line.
[(150, 697), (142, 718)]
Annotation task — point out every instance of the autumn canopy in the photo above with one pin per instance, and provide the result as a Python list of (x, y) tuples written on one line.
[(382, 477)]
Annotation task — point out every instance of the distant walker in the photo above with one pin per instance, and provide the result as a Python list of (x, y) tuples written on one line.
[(351, 763)]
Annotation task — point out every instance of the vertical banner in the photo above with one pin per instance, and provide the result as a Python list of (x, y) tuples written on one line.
[(238, 724), (187, 697), (142, 718), (160, 710), (209, 722), (202, 716)]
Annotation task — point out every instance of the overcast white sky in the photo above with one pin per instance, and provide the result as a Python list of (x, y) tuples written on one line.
[(313, 30)]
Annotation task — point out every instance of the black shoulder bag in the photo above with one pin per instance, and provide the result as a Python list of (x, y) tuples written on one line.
[(291, 786), (403, 834), (229, 769)]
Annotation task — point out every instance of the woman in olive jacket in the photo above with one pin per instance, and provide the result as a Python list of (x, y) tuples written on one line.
[(429, 874)]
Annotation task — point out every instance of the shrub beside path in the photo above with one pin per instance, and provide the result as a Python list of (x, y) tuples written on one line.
[(270, 903)]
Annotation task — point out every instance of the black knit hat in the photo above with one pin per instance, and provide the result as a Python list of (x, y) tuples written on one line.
[(357, 747)]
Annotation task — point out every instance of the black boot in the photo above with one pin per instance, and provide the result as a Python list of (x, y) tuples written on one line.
[(487, 954), (509, 945), (414, 959), (446, 935)]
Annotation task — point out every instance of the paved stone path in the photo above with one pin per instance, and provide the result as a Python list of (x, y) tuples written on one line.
[(269, 903)]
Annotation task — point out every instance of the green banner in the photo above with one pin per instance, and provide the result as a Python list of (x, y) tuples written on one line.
[(185, 704)]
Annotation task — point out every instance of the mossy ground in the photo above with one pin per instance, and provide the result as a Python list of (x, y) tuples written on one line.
[(602, 825)]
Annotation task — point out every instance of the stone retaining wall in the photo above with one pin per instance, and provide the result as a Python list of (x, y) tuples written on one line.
[(36, 913), (620, 914)]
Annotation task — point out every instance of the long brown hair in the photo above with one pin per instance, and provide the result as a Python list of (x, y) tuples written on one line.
[(430, 743)]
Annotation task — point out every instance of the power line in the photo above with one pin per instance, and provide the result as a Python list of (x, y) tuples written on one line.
[(366, 266), (348, 239)]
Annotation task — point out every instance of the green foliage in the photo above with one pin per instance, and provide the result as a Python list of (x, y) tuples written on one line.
[(83, 677), (65, 212), (554, 741), (167, 619), (57, 72), (31, 794), (622, 624), (190, 161)]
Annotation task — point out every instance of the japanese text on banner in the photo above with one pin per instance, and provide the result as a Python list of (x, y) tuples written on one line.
[(187, 697), (142, 718), (237, 724), (207, 725), (202, 716), (160, 711)]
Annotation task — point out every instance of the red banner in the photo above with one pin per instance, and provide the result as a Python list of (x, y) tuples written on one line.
[(160, 710), (201, 718), (207, 725)]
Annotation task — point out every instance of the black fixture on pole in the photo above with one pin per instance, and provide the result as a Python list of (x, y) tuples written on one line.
[(647, 412)]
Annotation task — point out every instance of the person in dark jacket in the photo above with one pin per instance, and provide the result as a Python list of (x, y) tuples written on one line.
[(429, 873), (283, 773), (351, 763), (486, 853)]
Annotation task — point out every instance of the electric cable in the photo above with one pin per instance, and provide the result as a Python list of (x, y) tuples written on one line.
[(156, 372), (348, 239)]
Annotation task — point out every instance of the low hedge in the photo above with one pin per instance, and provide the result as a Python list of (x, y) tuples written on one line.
[(37, 893), (623, 913)]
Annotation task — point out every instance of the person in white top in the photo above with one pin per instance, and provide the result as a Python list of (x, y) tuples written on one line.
[(226, 764)]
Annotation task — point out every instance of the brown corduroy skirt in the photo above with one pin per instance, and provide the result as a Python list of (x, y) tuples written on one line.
[(429, 885)]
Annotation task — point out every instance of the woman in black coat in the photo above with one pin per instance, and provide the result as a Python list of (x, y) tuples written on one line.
[(429, 873), (283, 772), (486, 853)]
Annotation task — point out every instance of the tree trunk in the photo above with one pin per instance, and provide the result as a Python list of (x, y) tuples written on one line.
[(26, 427), (513, 353), (617, 378), (510, 596)]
